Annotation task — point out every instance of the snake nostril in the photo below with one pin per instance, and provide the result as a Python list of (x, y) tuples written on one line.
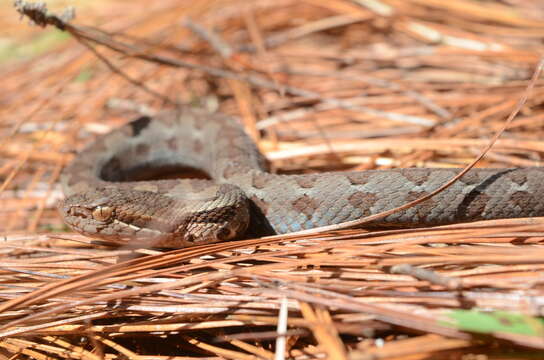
[(75, 211)]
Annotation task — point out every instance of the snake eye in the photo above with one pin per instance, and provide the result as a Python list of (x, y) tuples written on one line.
[(102, 213)]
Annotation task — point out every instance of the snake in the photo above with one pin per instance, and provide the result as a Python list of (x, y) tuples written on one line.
[(107, 197)]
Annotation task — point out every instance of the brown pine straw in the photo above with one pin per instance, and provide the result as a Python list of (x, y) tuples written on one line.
[(332, 85)]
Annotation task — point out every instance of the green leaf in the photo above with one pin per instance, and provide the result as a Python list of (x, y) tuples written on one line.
[(496, 321)]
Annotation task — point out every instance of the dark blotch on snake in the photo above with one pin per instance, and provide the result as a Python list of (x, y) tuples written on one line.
[(139, 124)]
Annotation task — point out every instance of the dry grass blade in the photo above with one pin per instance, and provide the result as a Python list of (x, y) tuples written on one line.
[(320, 86)]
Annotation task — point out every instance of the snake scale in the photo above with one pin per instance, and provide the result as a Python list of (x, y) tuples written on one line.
[(103, 200)]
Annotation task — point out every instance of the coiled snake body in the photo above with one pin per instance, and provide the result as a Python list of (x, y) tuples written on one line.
[(242, 196)]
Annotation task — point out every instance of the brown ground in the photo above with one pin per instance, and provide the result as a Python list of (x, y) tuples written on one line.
[(421, 82)]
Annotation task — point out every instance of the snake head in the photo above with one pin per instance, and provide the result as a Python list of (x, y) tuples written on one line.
[(158, 219)]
